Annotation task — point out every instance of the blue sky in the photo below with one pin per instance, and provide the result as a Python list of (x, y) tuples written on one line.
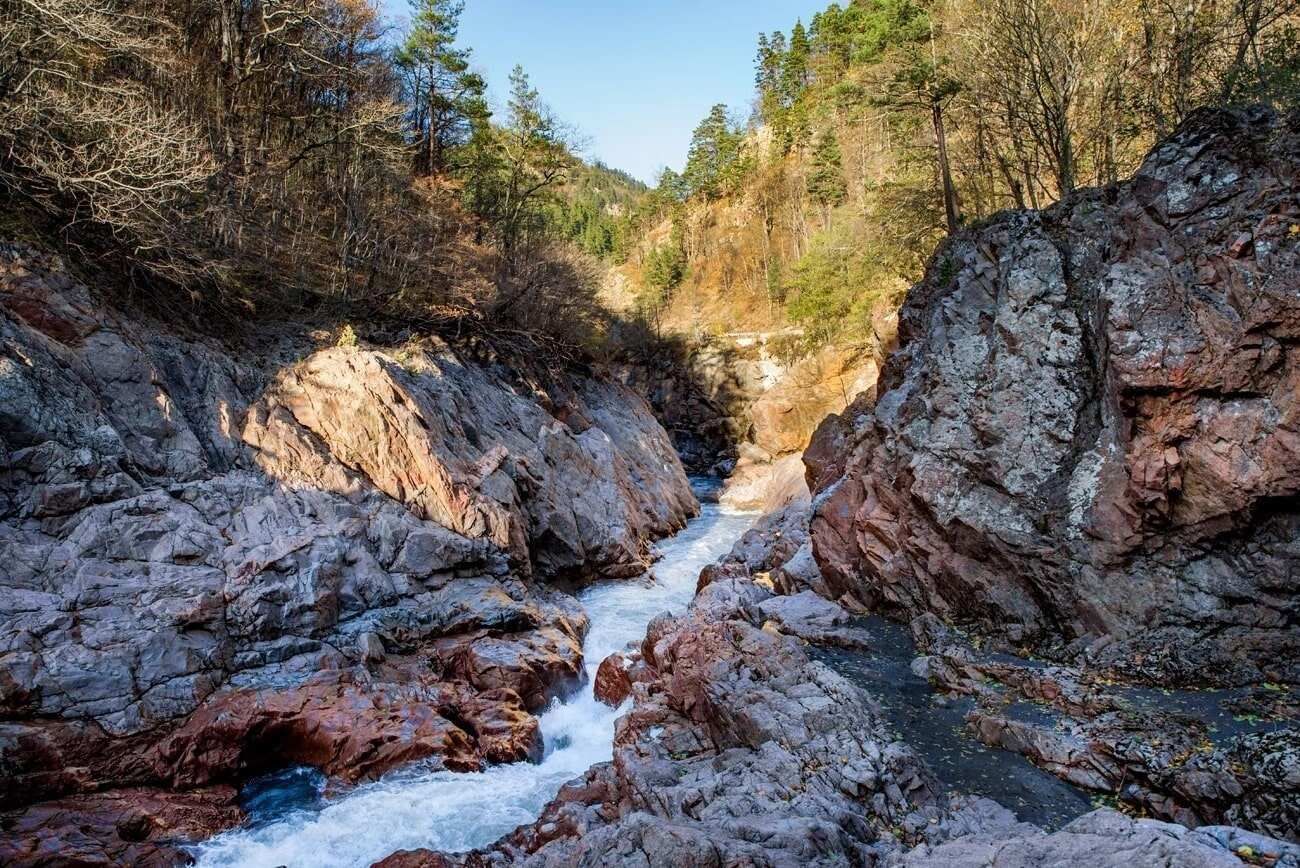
[(634, 76)]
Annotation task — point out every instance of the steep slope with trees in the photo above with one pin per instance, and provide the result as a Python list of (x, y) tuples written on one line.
[(264, 156), (884, 125)]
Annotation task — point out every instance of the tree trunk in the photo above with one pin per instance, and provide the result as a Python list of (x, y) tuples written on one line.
[(1065, 161), (950, 207), (428, 137)]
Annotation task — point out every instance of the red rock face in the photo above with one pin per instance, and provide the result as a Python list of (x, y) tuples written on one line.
[(137, 827), (613, 681), (1089, 439)]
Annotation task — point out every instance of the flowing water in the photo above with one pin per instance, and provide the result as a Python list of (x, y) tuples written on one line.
[(292, 824)]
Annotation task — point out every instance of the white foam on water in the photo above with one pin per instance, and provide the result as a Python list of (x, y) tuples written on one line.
[(454, 812)]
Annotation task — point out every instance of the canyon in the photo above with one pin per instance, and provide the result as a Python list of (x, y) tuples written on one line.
[(1059, 518)]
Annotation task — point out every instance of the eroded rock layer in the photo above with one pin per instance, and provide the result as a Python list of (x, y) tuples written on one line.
[(216, 562), (1089, 440)]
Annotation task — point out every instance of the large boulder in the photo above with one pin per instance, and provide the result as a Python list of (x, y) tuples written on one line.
[(1087, 441), (464, 449)]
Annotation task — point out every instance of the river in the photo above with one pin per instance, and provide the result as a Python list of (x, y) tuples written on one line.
[(292, 824)]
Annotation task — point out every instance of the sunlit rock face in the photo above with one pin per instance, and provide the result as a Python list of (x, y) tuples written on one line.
[(216, 559), (575, 492), (1087, 441), (769, 473)]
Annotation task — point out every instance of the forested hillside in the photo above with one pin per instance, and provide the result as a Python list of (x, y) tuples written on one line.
[(880, 126), (300, 154)]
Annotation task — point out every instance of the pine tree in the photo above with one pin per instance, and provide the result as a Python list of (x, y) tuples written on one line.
[(768, 64), (826, 183), (714, 155), (665, 268), (481, 166), (535, 158), (446, 100), (672, 187), (763, 65), (783, 109), (923, 84), (794, 71), (775, 283), (831, 37)]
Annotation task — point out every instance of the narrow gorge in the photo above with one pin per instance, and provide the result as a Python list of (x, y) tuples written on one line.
[(381, 493)]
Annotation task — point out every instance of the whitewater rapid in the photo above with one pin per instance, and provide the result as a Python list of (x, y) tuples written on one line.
[(449, 811)]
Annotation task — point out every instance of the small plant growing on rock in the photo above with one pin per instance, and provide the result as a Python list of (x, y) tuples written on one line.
[(347, 336), (947, 271), (409, 359)]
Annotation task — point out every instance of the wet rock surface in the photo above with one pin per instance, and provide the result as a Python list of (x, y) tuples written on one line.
[(133, 826), (1084, 444), (614, 678), (221, 558)]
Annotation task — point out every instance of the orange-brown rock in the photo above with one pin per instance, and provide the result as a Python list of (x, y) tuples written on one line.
[(785, 417), (348, 730), (537, 665), (418, 859), (613, 680), (769, 474), (503, 731)]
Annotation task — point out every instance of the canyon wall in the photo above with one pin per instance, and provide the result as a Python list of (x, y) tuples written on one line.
[(1087, 443), (769, 472), (222, 557)]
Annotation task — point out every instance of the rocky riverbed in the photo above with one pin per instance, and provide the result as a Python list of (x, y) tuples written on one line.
[(755, 737)]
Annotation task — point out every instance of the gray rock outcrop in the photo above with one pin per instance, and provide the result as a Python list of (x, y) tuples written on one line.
[(1086, 443), (315, 546)]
